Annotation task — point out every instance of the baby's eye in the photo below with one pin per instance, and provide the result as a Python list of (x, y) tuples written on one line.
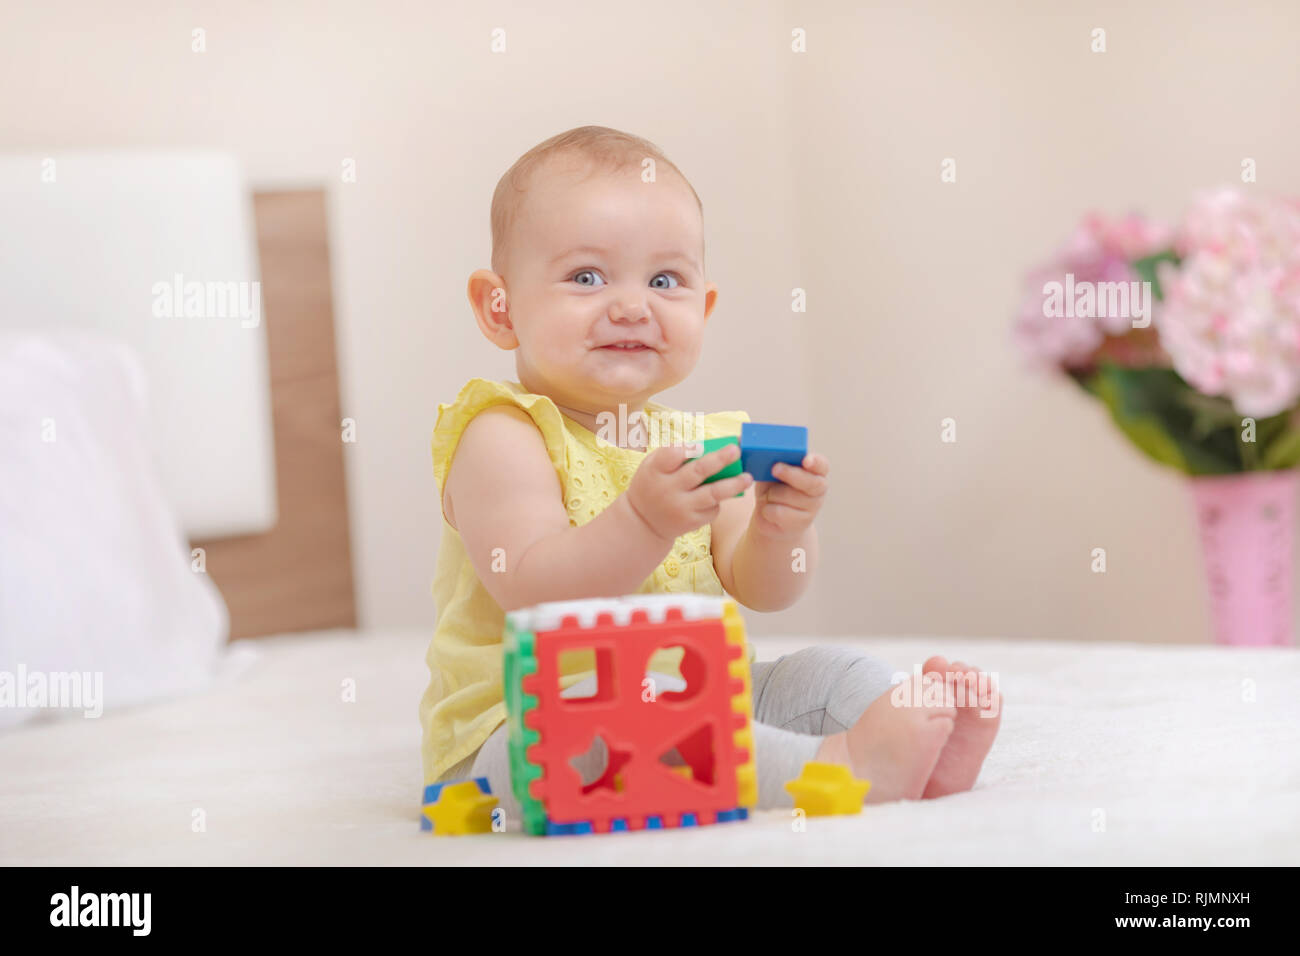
[(587, 277), (667, 276)]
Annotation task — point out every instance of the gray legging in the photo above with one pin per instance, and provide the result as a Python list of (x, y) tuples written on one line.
[(798, 699)]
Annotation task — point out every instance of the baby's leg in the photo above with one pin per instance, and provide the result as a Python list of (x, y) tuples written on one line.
[(779, 756), (847, 697), (818, 690)]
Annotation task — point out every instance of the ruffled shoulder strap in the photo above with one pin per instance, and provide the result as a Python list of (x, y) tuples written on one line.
[(481, 393)]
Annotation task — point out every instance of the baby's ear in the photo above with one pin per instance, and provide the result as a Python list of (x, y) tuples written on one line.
[(710, 298), (491, 305)]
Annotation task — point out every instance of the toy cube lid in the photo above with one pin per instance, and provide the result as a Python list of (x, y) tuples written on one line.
[(549, 616)]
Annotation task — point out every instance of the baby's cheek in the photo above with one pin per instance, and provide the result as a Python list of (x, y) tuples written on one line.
[(687, 350)]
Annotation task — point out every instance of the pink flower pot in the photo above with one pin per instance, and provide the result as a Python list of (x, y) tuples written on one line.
[(1247, 524)]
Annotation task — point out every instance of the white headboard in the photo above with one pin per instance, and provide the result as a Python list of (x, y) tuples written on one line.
[(104, 241)]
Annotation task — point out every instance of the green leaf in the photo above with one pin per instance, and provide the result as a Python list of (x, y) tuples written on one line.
[(1145, 433), (1146, 269), (1213, 408), (1283, 451), (1155, 409), (1269, 430)]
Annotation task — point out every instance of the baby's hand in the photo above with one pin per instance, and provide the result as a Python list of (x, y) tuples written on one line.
[(786, 508), (668, 493)]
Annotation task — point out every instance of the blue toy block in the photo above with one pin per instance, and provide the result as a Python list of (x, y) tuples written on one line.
[(762, 446), (430, 796)]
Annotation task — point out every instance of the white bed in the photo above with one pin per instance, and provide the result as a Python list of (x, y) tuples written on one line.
[(1108, 754)]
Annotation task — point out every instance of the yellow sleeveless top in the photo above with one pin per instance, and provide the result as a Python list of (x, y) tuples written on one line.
[(464, 702)]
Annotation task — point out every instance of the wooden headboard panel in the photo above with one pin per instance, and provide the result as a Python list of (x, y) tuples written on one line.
[(298, 576)]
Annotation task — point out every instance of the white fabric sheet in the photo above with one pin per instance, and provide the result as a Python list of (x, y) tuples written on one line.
[(1108, 754), (100, 603)]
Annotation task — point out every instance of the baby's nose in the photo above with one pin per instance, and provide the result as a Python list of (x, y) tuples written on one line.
[(629, 310)]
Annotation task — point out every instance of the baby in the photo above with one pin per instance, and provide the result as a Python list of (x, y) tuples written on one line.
[(598, 286)]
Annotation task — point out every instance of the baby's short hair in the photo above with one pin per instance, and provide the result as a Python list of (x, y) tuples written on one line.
[(604, 148)]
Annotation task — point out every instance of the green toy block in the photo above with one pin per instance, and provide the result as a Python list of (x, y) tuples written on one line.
[(735, 468), (520, 661)]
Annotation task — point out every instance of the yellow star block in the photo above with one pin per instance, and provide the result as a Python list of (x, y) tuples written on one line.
[(461, 808), (823, 789)]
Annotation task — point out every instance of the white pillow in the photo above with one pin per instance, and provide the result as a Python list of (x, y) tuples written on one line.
[(99, 605)]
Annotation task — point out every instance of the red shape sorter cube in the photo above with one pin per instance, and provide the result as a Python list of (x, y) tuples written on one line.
[(677, 755)]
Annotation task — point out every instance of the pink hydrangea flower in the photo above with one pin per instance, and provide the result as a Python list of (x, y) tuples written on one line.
[(1231, 316), (1099, 250)]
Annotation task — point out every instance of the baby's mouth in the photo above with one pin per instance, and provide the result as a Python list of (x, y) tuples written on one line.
[(628, 347)]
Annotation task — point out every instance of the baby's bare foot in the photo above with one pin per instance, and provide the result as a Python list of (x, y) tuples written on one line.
[(897, 741), (979, 712)]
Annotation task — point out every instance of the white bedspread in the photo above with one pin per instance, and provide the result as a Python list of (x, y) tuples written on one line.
[(1108, 754)]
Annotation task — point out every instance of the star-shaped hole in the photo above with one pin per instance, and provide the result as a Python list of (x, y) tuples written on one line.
[(609, 780)]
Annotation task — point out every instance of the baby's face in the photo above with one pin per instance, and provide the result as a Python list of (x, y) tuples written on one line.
[(605, 284)]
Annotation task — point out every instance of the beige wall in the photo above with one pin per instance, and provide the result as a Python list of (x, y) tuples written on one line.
[(818, 170), (993, 534)]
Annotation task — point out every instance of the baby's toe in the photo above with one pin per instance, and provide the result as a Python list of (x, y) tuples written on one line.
[(935, 664)]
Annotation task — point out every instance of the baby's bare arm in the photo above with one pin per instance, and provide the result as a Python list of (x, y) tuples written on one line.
[(765, 545), (502, 493), (503, 496)]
